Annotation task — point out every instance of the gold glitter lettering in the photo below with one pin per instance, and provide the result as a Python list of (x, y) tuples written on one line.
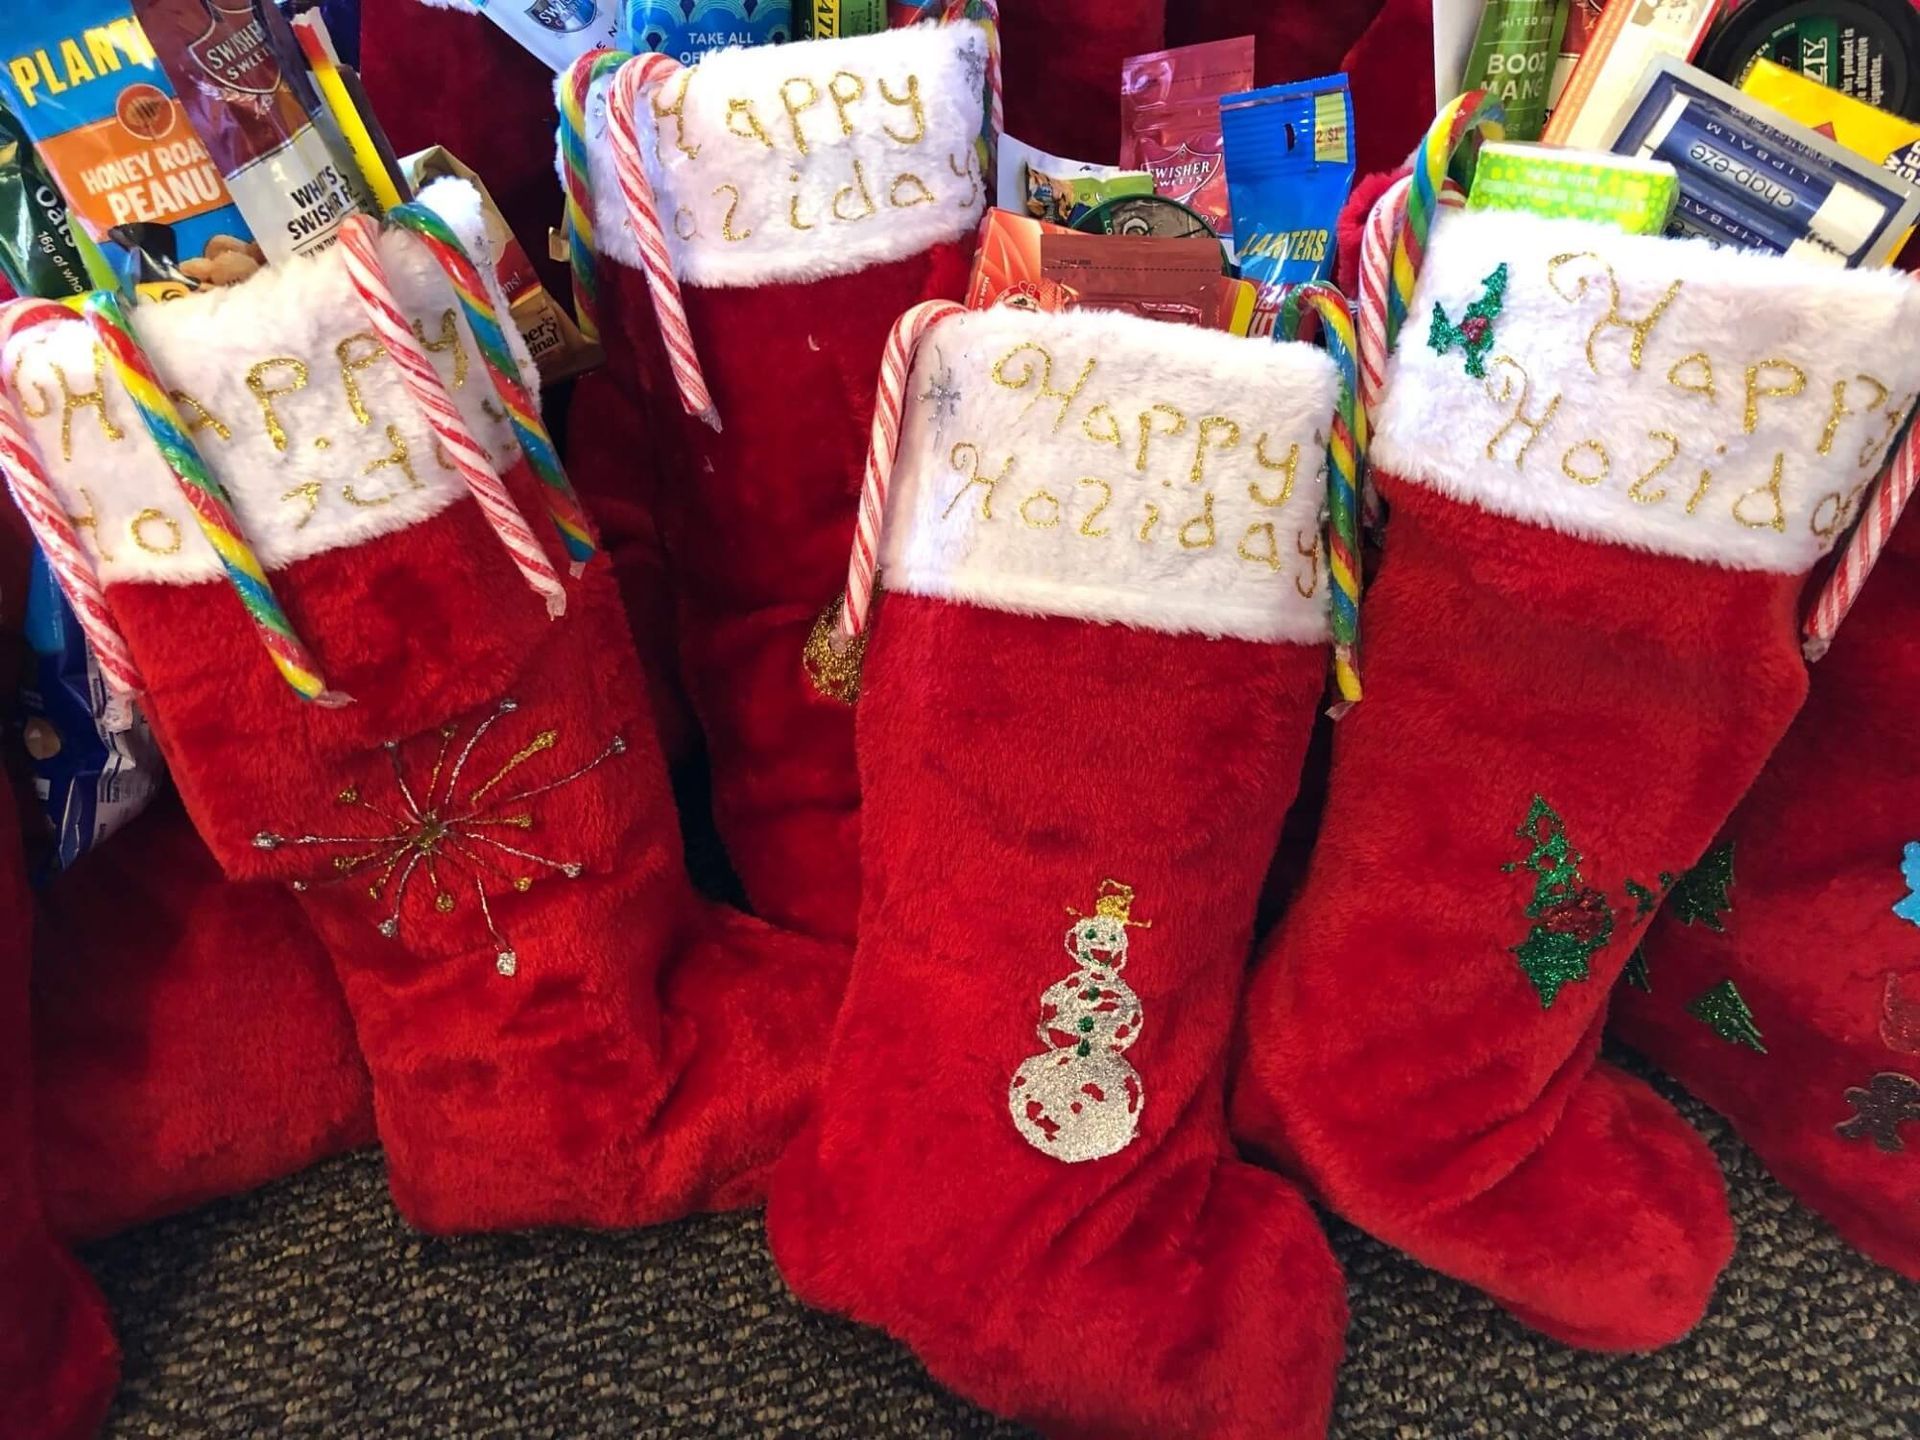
[(1843, 510), (1210, 426), (90, 520), (309, 492), (1053, 515), (1637, 490), (1700, 491), (911, 102), (795, 111), (970, 173), (1841, 409), (449, 340), (1111, 422), (1289, 467), (201, 419), (1875, 449), (1205, 520), (136, 527), (1153, 519), (733, 208), (842, 96), (965, 459), (677, 112), (923, 195), (1042, 371), (399, 460), (356, 353), (265, 394), (739, 109), (94, 400), (684, 223), (1776, 521), (27, 407), (794, 222), (1792, 382), (1534, 426), (1177, 424), (866, 196), (1701, 382), (1271, 555), (1586, 477), (1312, 556), (1106, 499), (1641, 330)]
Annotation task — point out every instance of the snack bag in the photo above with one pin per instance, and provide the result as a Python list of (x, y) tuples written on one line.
[(1006, 265), (276, 161), (37, 255), (90, 93), (688, 29), (1170, 122), (1291, 148), (1172, 280)]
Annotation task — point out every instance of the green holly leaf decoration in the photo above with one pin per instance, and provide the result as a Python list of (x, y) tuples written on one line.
[(1724, 1012), (1703, 895), (1474, 333), (1572, 920), (1636, 973)]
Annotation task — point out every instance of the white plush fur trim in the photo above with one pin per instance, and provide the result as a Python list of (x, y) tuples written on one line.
[(1047, 466), (457, 202), (1756, 367), (889, 169), (332, 480)]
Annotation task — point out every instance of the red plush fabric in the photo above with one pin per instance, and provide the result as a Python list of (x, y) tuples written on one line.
[(1009, 768), (1811, 943), (1061, 66), (1395, 1053), (58, 1358), (651, 1055), (758, 536), (190, 1038)]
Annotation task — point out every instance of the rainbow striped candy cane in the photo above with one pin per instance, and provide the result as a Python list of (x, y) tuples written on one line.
[(643, 217), (1475, 114), (509, 382), (833, 651), (206, 497), (1891, 492), (577, 180), (360, 246), (58, 537), (1346, 455)]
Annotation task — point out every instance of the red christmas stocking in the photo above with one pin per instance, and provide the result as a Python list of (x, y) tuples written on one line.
[(812, 192), (190, 1038), (1611, 463), (1781, 983), (58, 1359), (558, 1031), (1085, 709), (1063, 69)]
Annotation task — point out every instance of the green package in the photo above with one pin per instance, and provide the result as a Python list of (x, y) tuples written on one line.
[(840, 19), (1632, 194), (1513, 57), (37, 254)]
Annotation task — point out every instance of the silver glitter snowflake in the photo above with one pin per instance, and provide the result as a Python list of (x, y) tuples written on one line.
[(942, 397), (442, 829)]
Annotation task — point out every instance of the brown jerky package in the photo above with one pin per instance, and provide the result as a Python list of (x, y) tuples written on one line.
[(1146, 275)]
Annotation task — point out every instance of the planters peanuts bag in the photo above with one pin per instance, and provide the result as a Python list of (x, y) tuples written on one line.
[(84, 84), (1289, 167)]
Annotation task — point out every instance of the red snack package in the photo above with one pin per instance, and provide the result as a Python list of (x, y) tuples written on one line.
[(1170, 121)]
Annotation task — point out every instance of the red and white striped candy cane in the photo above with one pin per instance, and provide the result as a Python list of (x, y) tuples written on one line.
[(53, 528), (630, 81), (359, 240), (1890, 496), (896, 366), (1376, 278)]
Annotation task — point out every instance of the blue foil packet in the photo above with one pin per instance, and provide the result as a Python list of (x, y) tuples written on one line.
[(89, 782), (1290, 164), (688, 29)]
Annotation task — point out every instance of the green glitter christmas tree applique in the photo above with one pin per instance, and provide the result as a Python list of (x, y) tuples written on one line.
[(1474, 333), (1723, 1011), (1703, 896), (1572, 921)]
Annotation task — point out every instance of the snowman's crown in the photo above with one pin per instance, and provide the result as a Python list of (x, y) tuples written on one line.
[(1115, 902)]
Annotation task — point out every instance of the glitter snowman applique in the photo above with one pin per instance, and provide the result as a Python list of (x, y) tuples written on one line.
[(1082, 1100)]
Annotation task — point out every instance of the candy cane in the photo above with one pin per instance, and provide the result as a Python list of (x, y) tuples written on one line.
[(1890, 496), (577, 180), (206, 497), (503, 368), (53, 528), (359, 241), (1475, 113), (643, 217)]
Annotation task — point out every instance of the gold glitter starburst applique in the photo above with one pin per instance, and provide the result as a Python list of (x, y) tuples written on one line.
[(445, 829)]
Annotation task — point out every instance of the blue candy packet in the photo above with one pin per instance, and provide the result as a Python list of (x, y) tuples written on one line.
[(1290, 164), (688, 29), (90, 781)]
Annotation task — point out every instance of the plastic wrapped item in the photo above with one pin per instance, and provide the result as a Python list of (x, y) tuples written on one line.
[(1290, 166), (1170, 122), (37, 254)]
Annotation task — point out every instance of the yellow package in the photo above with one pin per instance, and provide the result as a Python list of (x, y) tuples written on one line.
[(1884, 138)]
